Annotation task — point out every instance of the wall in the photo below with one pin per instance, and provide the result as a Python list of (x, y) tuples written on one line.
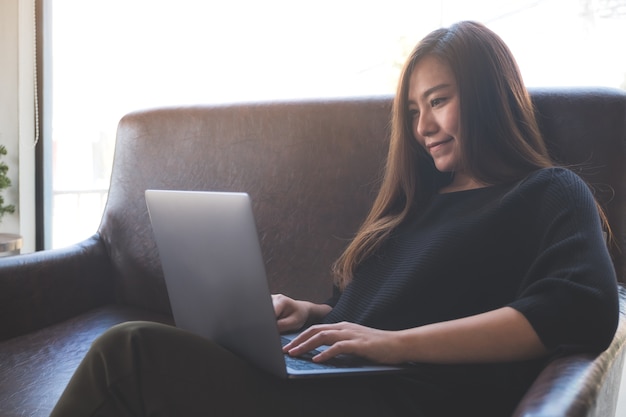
[(17, 130)]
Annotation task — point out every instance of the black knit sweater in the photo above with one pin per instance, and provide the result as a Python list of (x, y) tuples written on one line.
[(535, 245)]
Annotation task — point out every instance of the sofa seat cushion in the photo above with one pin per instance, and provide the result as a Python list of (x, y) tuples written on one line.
[(36, 367)]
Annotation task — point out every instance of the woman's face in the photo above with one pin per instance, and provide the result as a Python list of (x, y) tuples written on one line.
[(434, 110)]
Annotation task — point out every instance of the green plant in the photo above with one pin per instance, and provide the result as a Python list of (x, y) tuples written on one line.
[(5, 182)]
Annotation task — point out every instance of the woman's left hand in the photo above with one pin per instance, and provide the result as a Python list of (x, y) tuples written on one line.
[(499, 335), (346, 338)]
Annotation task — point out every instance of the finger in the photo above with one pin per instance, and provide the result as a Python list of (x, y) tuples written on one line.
[(306, 335), (339, 348), (286, 324), (316, 336), (279, 303), (326, 337), (275, 300)]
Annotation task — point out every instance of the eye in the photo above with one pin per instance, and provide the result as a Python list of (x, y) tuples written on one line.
[(413, 113), (437, 101)]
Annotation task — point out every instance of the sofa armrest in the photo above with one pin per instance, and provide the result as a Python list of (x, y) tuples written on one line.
[(42, 288), (580, 385)]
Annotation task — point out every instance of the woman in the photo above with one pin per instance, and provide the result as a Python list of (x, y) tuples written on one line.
[(478, 261)]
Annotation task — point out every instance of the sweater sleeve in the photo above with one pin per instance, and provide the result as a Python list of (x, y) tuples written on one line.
[(569, 294), (332, 301)]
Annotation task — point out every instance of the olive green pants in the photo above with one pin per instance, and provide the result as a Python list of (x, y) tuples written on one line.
[(149, 369)]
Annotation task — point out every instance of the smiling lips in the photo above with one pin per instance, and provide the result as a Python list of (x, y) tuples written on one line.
[(432, 147)]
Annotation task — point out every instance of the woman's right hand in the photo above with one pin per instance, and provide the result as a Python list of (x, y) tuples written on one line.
[(292, 315)]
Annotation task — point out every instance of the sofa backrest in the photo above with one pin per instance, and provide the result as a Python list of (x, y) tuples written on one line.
[(312, 169)]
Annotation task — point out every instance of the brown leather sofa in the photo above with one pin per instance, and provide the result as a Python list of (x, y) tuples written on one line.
[(311, 168)]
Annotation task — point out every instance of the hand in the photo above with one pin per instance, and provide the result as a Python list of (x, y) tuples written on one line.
[(346, 338), (291, 314)]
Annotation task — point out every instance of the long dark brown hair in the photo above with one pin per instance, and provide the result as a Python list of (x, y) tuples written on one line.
[(501, 139)]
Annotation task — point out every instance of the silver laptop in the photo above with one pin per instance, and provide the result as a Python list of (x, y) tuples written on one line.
[(216, 281)]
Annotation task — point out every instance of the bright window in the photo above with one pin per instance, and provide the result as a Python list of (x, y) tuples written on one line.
[(110, 57)]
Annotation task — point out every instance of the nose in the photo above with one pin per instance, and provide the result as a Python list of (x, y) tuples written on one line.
[(425, 124)]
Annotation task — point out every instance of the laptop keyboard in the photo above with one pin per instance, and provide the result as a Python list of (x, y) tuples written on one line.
[(305, 361)]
